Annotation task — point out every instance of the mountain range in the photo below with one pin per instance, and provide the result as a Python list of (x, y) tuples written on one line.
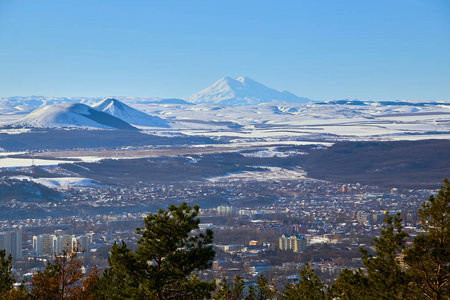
[(71, 115), (106, 114), (242, 91)]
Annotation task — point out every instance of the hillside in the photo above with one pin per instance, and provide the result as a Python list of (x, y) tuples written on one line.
[(411, 164), (71, 115), (128, 114)]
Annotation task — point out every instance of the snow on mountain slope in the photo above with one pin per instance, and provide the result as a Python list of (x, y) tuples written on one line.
[(128, 114), (242, 91), (71, 115), (26, 105)]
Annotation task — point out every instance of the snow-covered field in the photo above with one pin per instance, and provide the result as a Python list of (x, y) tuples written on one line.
[(10, 162), (257, 125), (271, 152), (312, 121), (59, 183), (271, 173), (277, 121)]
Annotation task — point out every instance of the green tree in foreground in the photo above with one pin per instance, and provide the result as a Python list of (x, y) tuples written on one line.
[(6, 278), (171, 251), (429, 257), (264, 291), (235, 291), (309, 287), (351, 285), (384, 278)]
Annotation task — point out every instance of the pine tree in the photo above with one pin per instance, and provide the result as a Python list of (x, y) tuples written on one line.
[(309, 287), (120, 280), (351, 285), (171, 251), (383, 276), (6, 278), (234, 291), (429, 257), (386, 278), (264, 291)]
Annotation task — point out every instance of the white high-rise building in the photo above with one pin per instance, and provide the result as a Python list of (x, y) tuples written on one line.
[(226, 211), (64, 243), (49, 244), (43, 244), (11, 241)]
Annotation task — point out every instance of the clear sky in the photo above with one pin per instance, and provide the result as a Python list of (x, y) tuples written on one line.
[(320, 49)]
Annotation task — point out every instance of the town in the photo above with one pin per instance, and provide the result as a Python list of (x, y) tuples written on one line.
[(270, 227)]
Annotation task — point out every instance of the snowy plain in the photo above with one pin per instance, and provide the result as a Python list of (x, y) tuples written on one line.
[(266, 125)]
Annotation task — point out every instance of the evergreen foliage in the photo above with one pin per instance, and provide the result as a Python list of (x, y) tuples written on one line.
[(234, 291), (351, 285), (171, 251), (309, 287), (429, 257), (265, 291), (6, 278), (384, 277)]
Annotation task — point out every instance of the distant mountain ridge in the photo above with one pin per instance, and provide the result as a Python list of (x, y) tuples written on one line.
[(128, 114), (71, 115), (242, 91)]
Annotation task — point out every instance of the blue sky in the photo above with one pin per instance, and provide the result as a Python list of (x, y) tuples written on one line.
[(320, 49)]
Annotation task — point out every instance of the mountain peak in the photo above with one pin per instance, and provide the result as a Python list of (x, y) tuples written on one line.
[(71, 115), (128, 114), (241, 91), (110, 102)]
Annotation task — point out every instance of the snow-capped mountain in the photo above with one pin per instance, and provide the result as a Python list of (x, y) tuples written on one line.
[(71, 115), (242, 91), (128, 114)]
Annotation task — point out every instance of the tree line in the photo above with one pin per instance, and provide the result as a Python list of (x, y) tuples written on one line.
[(172, 251)]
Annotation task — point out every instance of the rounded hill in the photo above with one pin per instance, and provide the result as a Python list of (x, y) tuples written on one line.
[(71, 115)]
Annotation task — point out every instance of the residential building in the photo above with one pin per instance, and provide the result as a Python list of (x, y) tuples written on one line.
[(11, 241), (296, 243)]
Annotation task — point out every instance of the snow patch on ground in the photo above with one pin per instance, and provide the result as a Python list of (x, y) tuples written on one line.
[(6, 153), (10, 162), (15, 130), (271, 152), (60, 183), (272, 173)]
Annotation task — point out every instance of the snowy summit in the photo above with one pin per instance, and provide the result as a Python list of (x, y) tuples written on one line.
[(242, 91), (71, 115), (128, 114)]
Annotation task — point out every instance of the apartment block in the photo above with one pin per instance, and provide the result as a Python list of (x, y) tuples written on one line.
[(296, 243), (11, 241)]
